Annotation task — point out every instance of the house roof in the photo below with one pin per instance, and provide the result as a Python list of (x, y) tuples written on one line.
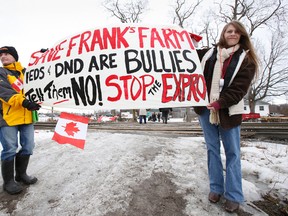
[(257, 102)]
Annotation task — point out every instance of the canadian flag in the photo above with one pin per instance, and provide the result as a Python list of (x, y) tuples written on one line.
[(17, 85), (71, 129)]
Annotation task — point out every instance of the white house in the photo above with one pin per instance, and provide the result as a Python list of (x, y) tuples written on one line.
[(260, 107)]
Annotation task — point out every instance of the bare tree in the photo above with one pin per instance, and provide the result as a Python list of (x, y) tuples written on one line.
[(183, 11), (273, 80), (128, 12), (257, 14), (210, 29), (254, 13)]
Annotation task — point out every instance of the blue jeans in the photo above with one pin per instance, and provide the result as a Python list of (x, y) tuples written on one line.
[(213, 134), (142, 117), (9, 140)]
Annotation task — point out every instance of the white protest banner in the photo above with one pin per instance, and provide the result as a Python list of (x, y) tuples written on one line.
[(125, 66)]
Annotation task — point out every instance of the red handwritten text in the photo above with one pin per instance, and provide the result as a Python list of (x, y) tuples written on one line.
[(132, 86), (176, 90)]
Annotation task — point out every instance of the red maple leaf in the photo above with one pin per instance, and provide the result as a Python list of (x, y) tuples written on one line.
[(70, 128)]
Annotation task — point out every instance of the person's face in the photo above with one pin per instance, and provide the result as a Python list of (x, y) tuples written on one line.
[(231, 36), (6, 58)]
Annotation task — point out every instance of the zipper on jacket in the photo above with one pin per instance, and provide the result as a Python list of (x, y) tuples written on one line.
[(8, 110)]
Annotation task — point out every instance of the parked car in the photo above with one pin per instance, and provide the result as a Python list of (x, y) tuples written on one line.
[(107, 118), (248, 116)]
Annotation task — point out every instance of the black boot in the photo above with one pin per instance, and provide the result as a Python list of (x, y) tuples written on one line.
[(21, 167), (10, 186)]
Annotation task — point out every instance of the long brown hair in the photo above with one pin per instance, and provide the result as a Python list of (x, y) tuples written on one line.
[(244, 41)]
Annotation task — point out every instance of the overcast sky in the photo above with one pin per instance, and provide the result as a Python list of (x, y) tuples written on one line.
[(32, 24)]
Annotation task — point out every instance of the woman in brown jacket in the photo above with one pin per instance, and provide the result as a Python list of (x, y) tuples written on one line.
[(229, 69)]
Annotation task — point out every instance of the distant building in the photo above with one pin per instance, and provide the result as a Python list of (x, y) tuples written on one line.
[(180, 112), (261, 107)]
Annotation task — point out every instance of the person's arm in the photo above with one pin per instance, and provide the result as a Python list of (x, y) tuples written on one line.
[(232, 94), (7, 94), (11, 97)]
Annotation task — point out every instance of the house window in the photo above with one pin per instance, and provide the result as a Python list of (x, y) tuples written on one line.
[(261, 108), (245, 108)]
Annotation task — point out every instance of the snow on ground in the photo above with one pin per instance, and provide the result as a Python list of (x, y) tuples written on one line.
[(131, 174)]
